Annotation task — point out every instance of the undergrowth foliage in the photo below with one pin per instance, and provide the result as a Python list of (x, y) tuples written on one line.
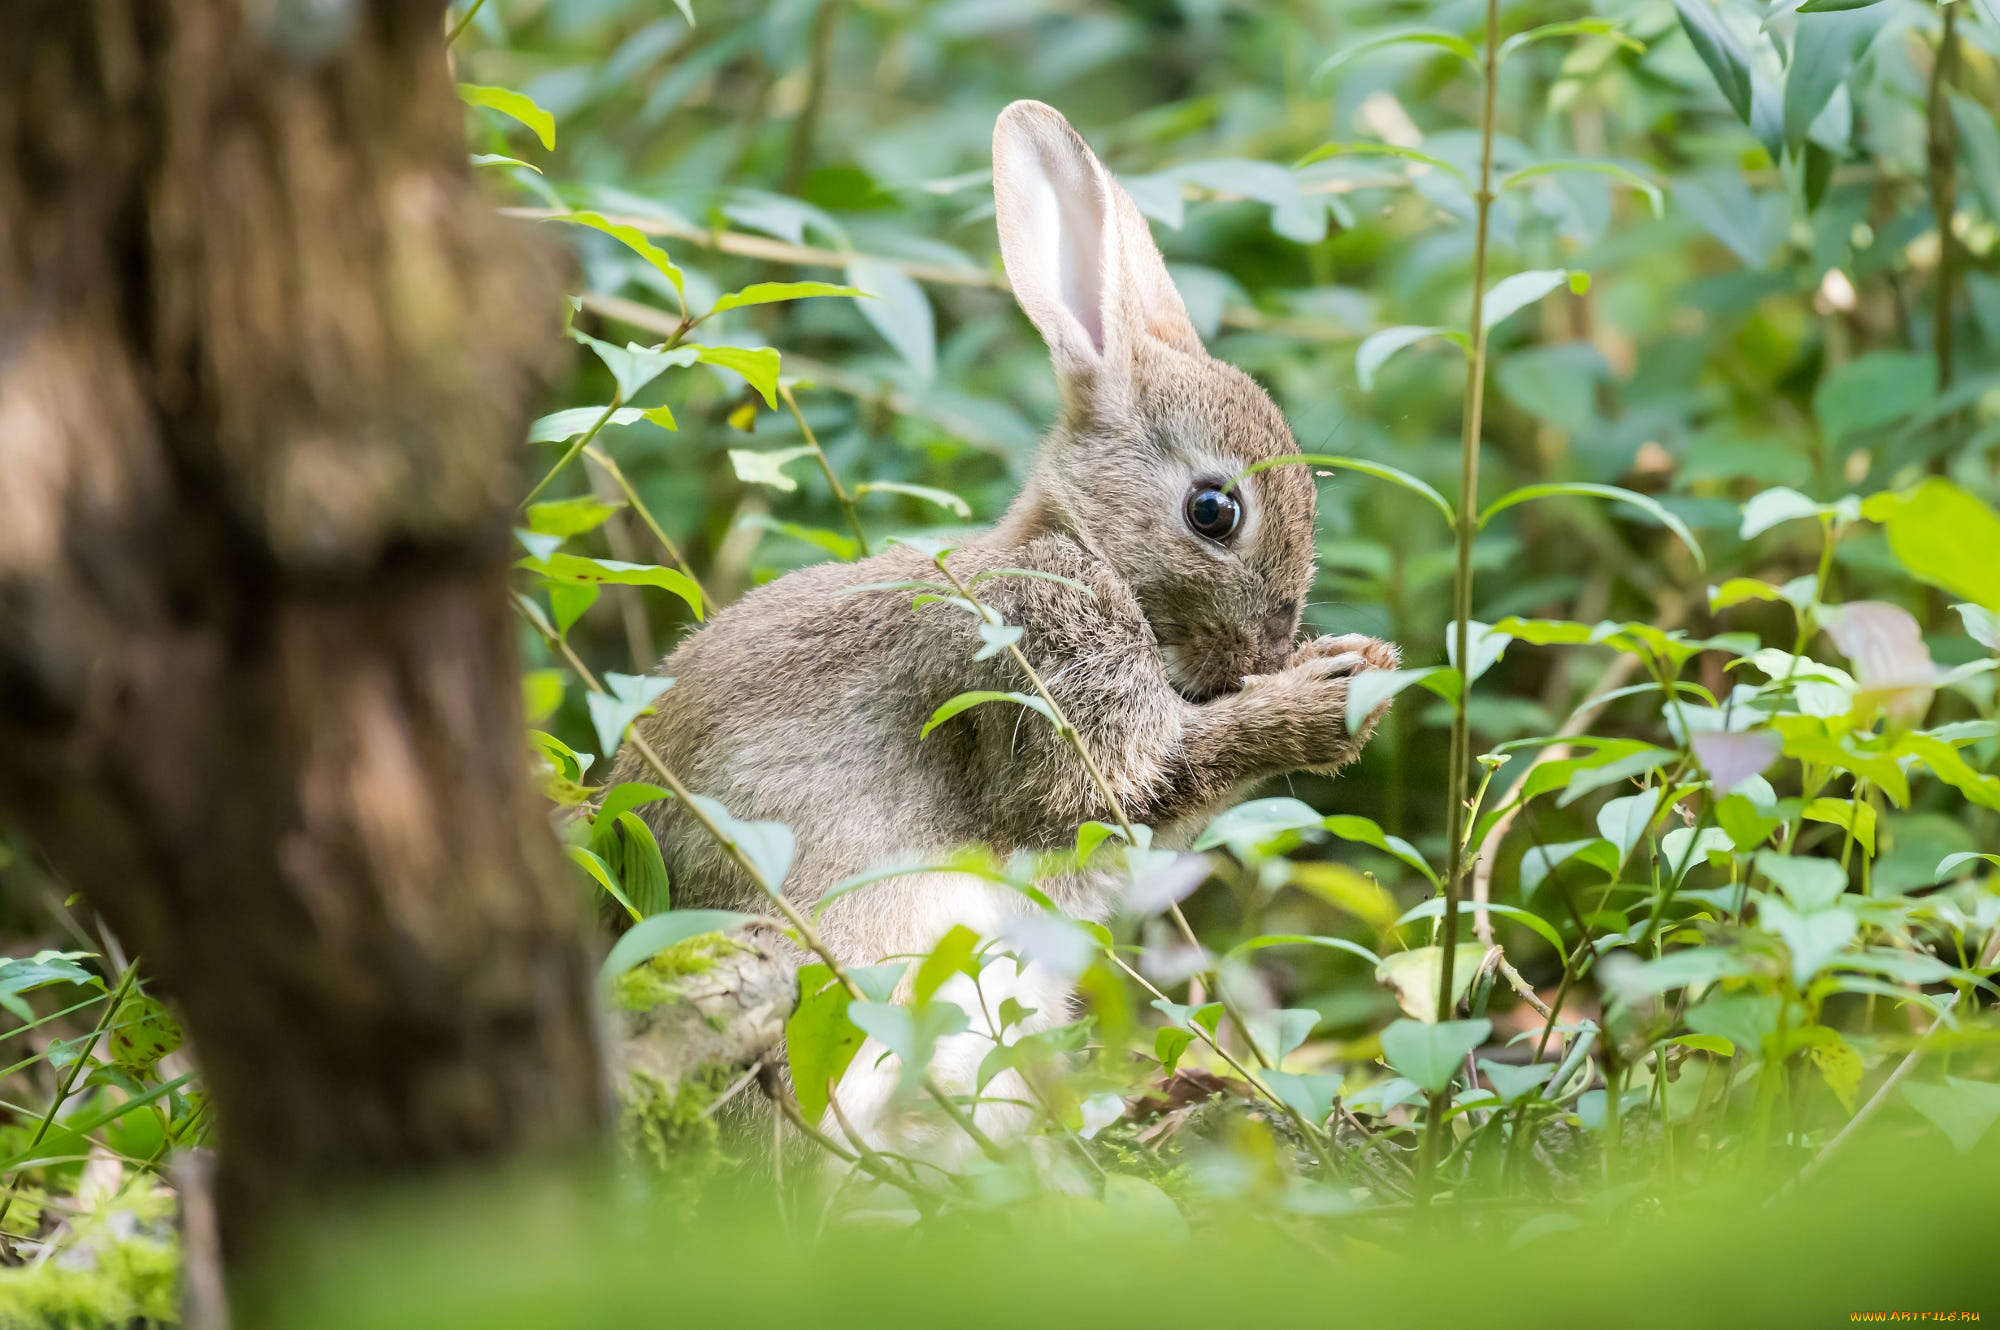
[(1652, 356), (1716, 882)]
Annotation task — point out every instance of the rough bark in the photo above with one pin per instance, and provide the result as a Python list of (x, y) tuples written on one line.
[(265, 357)]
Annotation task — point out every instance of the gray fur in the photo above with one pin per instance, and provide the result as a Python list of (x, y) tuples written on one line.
[(1180, 666)]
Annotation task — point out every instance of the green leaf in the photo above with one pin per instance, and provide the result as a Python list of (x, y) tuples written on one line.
[(1825, 47), (20, 975), (757, 364), (1872, 391), (628, 795), (942, 498), (820, 1041), (1951, 863), (1258, 823), (593, 864), (1350, 827), (1981, 625), (955, 953), (1815, 938), (1581, 27), (1624, 821), (1980, 787), (1443, 41), (1963, 1110), (1434, 909), (966, 701), (911, 1033), (569, 517), (1326, 151), (562, 426), (1431, 1054), (997, 638), (1542, 860), (1377, 347), (1728, 63), (1776, 506), (841, 547), (769, 846), (634, 366), (1279, 1033), (651, 936), (633, 239), (1265, 940), (1514, 1084), (501, 159), (514, 105), (630, 696), (1979, 147), (1367, 468), (141, 1032), (1945, 536), (901, 312), (755, 468), (1833, 6), (1309, 1094), (611, 572), (1370, 688), (768, 293), (1650, 506), (1857, 817), (1512, 294), (1655, 199), (627, 844), (1809, 884)]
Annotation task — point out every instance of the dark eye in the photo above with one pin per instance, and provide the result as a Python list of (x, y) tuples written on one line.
[(1213, 513)]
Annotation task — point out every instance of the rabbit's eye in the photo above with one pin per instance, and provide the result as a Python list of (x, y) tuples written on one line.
[(1213, 512)]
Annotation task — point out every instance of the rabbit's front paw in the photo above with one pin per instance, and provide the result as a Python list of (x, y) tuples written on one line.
[(1348, 654), (1329, 662)]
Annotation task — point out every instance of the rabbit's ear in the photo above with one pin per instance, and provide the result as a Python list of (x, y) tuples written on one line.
[(1078, 254)]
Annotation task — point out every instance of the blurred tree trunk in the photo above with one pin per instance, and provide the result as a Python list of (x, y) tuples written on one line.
[(265, 357)]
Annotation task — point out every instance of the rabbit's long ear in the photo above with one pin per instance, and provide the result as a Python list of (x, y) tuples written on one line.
[(1079, 256)]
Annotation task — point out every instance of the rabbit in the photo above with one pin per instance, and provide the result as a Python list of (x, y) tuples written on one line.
[(1172, 645)]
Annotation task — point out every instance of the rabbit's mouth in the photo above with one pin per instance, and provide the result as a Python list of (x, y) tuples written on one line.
[(1201, 675)]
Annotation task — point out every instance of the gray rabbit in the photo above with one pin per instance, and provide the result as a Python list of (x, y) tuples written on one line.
[(1179, 664)]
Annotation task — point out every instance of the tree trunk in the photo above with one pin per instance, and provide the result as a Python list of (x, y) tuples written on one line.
[(265, 358)]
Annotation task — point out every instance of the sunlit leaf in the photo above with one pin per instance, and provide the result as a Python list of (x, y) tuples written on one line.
[(1945, 536), (516, 106), (767, 293), (755, 468), (1510, 295), (633, 239), (758, 366)]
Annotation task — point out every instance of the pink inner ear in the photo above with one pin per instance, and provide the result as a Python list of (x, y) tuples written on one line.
[(1080, 258)]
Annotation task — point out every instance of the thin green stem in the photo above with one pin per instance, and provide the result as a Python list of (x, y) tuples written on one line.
[(570, 454), (1942, 151), (840, 494), (1466, 528), (68, 1083), (464, 23), (611, 468)]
